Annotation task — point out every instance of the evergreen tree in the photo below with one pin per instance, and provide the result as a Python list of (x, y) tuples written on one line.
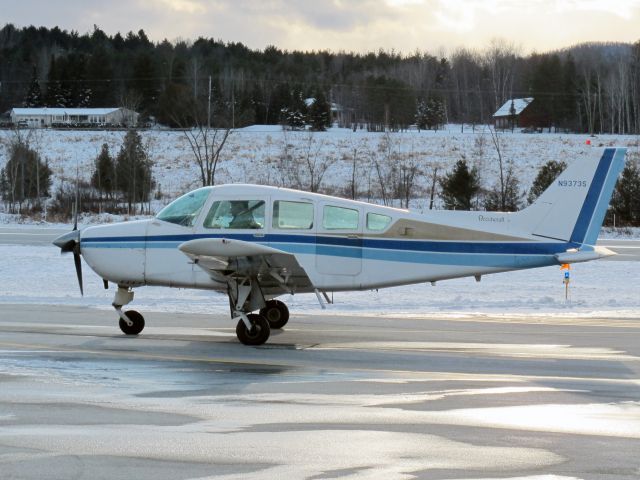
[(133, 170), (25, 176), (512, 195), (546, 175), (53, 97), (104, 175), (568, 104), (176, 107), (625, 203), (545, 85), (430, 114), (390, 103), (319, 115), (460, 187), (294, 115), (99, 78), (279, 100), (144, 82), (34, 95)]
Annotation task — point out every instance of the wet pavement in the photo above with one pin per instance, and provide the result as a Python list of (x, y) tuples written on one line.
[(329, 397)]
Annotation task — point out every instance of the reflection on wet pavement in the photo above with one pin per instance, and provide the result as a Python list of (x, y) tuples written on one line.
[(347, 406)]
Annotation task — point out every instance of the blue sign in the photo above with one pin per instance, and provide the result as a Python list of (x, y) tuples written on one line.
[(566, 274)]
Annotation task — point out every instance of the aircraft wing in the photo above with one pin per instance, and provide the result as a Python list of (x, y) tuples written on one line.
[(277, 271)]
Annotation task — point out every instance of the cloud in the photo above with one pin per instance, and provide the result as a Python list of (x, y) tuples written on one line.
[(360, 25)]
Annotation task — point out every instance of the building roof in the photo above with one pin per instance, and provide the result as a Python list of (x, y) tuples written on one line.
[(63, 111), (518, 103)]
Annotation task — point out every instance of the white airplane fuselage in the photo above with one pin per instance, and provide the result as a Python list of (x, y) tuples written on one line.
[(145, 252), (410, 248), (256, 243)]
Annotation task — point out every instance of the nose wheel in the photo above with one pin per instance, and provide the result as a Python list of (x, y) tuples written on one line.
[(135, 324), (131, 322), (276, 313)]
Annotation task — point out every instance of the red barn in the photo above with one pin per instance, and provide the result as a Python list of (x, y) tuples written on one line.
[(515, 113)]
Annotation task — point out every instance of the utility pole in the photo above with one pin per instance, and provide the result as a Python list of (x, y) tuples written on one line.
[(195, 79), (209, 106)]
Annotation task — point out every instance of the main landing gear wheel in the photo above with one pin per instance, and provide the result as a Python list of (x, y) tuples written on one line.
[(276, 313), (259, 332), (137, 323)]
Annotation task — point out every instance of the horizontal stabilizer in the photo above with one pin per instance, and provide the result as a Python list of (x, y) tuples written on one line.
[(577, 256)]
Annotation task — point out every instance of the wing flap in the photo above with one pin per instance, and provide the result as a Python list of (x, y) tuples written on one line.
[(277, 271)]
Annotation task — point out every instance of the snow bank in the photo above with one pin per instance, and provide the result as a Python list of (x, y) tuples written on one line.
[(603, 288)]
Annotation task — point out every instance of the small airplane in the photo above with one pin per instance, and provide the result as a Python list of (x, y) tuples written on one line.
[(256, 243)]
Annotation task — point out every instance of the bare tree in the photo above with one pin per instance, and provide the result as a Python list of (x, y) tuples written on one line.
[(497, 144), (207, 144), (397, 172), (129, 100), (500, 59), (357, 150), (310, 165), (206, 141), (434, 183)]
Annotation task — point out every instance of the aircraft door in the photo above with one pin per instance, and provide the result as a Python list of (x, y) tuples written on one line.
[(339, 240)]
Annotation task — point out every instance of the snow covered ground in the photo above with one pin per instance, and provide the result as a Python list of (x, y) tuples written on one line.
[(254, 154), (41, 275)]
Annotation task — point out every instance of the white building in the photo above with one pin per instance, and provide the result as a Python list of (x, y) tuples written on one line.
[(89, 117)]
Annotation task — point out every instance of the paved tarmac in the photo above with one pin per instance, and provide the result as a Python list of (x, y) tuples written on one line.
[(29, 235), (328, 397)]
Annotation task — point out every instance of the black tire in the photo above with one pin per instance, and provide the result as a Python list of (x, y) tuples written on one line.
[(138, 323), (259, 332), (276, 313)]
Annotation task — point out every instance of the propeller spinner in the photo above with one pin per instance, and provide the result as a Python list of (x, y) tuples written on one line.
[(70, 242)]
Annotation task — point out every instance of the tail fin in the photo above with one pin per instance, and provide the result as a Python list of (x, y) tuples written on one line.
[(572, 209)]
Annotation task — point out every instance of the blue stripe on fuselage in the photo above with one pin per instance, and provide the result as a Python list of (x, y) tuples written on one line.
[(342, 246)]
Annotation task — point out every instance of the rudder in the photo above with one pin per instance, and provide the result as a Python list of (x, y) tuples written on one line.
[(573, 207)]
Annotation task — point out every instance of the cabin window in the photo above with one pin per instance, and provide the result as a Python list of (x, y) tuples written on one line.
[(292, 215), (236, 215), (339, 218), (376, 221), (185, 210)]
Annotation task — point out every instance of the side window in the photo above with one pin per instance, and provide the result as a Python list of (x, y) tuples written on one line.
[(339, 218), (236, 215), (292, 215), (376, 221)]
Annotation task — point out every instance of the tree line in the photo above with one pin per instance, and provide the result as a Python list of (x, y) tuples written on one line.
[(591, 88), (119, 184), (123, 183)]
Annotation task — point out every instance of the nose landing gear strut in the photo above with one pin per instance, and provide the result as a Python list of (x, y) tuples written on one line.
[(131, 322)]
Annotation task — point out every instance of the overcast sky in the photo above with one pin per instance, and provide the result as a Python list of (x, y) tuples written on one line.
[(351, 25)]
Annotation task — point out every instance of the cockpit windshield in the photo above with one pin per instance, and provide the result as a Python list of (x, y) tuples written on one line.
[(185, 210)]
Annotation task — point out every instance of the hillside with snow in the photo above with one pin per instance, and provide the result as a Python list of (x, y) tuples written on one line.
[(266, 154)]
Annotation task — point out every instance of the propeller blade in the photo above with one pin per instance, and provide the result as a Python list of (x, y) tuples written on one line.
[(78, 263), (75, 209), (70, 242)]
